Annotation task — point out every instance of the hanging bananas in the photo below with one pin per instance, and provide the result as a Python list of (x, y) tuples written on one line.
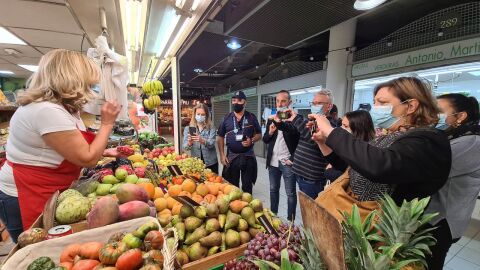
[(151, 102), (152, 89)]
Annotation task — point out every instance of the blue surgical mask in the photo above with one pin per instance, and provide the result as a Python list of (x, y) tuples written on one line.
[(382, 116), (200, 118), (442, 124), (95, 88), (317, 109)]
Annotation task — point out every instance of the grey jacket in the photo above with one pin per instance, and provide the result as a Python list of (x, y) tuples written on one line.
[(455, 201), (208, 150)]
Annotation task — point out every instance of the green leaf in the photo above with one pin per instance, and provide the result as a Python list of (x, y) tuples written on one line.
[(297, 266), (266, 265), (284, 260)]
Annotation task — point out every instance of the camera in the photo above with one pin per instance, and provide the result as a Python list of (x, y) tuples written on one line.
[(284, 115)]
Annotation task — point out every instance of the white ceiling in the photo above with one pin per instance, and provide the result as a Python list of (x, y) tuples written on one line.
[(49, 24)]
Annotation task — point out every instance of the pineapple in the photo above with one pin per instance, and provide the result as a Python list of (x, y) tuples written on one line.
[(398, 241), (309, 255)]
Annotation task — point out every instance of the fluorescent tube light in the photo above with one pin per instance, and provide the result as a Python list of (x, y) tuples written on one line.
[(6, 72), (7, 37), (32, 68)]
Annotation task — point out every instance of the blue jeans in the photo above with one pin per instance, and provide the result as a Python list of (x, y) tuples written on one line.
[(275, 175), (10, 215), (310, 187)]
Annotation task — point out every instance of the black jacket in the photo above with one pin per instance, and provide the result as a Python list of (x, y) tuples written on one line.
[(290, 135), (417, 163)]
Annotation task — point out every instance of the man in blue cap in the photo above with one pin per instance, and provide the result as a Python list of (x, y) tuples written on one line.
[(240, 129)]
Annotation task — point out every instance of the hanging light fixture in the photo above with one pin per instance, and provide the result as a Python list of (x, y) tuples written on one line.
[(367, 4)]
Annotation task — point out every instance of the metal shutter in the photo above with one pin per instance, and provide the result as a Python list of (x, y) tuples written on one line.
[(252, 105), (220, 109)]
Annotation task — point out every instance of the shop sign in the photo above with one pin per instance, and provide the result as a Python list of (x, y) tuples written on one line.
[(443, 52), (248, 92)]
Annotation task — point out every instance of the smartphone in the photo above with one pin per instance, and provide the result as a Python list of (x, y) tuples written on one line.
[(313, 130), (284, 115), (192, 131)]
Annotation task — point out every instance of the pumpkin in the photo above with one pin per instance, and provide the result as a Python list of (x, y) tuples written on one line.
[(90, 250), (69, 253), (85, 265), (154, 240), (130, 260), (109, 253)]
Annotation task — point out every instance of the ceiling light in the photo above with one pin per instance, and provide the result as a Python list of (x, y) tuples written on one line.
[(234, 45), (297, 92), (235, 70), (311, 58), (31, 68), (367, 4), (6, 72), (198, 70), (475, 73), (8, 38)]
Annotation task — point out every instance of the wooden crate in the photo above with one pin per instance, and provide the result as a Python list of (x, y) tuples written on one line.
[(216, 259)]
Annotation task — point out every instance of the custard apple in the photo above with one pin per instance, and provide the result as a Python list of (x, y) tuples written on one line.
[(72, 209), (68, 193)]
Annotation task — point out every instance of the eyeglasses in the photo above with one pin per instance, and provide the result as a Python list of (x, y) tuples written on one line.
[(319, 103)]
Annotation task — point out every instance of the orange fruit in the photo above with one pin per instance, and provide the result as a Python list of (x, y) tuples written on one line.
[(228, 188), (213, 189), (189, 185), (160, 204), (176, 209), (177, 180), (218, 179), (171, 202), (158, 193), (175, 190), (202, 190), (149, 188), (197, 198), (185, 193), (210, 198)]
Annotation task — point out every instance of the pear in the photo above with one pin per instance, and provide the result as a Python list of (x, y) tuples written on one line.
[(249, 215), (201, 212), (212, 210), (182, 257), (247, 197), (180, 226), (242, 225), (191, 223), (213, 239), (223, 246), (176, 219), (232, 239), (186, 211), (232, 221), (196, 252), (213, 250), (212, 225), (222, 219), (235, 194), (254, 231), (170, 243), (196, 235), (222, 204), (256, 205), (244, 237)]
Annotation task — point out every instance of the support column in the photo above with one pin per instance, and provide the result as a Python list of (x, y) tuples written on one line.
[(342, 36), (176, 101)]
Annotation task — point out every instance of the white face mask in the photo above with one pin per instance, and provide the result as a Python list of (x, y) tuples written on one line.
[(200, 118)]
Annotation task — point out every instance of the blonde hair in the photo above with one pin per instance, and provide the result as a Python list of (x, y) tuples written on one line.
[(193, 121), (405, 88), (64, 77)]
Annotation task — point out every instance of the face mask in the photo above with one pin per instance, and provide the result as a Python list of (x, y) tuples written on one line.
[(200, 118), (317, 109), (442, 124), (95, 88), (282, 109), (238, 107), (382, 116)]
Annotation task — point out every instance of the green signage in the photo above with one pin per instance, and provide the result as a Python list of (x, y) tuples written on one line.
[(452, 50)]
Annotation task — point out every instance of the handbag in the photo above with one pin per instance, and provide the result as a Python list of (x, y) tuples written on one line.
[(338, 198)]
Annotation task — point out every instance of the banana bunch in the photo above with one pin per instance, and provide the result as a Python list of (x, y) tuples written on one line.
[(151, 102), (152, 88)]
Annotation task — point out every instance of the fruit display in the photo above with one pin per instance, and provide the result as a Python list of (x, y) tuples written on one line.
[(165, 115), (148, 140), (139, 249), (151, 91), (31, 236), (151, 102)]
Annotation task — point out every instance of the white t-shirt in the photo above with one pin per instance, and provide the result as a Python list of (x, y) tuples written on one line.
[(25, 144), (280, 150)]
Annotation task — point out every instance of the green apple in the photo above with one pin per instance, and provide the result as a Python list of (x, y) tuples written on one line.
[(132, 179), (109, 179), (121, 174), (103, 189)]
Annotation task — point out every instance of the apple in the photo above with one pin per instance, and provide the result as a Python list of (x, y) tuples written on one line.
[(132, 179), (140, 172), (121, 174), (110, 179)]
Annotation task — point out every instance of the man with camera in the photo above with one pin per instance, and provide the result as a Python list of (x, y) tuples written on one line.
[(240, 129), (281, 149), (309, 164)]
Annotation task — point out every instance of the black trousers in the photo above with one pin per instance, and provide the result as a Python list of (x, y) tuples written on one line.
[(439, 251), (214, 168), (244, 166)]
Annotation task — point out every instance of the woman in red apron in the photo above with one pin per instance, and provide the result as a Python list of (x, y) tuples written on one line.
[(48, 144)]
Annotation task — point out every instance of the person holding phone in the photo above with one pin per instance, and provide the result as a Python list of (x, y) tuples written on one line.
[(240, 129), (199, 137)]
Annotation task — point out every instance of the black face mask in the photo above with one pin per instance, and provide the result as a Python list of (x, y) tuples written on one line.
[(238, 107)]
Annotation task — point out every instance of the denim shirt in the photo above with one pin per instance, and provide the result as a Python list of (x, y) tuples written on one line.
[(208, 150)]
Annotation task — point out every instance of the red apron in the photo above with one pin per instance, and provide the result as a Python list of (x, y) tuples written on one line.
[(36, 184)]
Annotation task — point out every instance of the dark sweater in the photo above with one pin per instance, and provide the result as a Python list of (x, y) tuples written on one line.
[(290, 134), (418, 163)]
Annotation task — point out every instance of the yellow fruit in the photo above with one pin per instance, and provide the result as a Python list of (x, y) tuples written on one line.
[(160, 204), (174, 190), (189, 185), (176, 209), (171, 202), (202, 190), (138, 165), (136, 158), (228, 188), (158, 193)]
